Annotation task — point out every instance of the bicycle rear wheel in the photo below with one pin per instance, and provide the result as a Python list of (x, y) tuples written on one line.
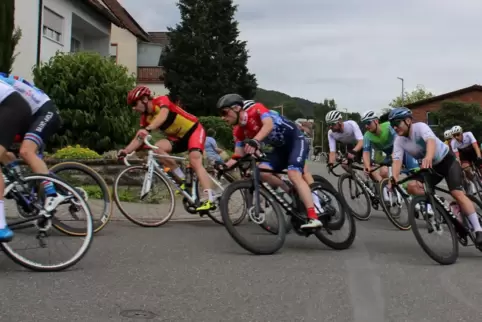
[(440, 220), (38, 226), (94, 190), (159, 202), (257, 219)]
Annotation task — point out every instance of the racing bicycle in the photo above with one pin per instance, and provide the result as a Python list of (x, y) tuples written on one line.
[(28, 196), (333, 214), (445, 217), (146, 182)]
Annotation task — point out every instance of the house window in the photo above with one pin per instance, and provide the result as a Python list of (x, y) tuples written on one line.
[(432, 119), (52, 25), (75, 45), (113, 52)]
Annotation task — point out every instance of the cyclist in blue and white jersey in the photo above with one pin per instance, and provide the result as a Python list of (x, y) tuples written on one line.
[(42, 123), (418, 140)]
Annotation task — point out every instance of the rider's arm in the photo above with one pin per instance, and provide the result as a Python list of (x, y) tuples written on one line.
[(358, 136), (474, 143), (265, 129), (133, 145), (332, 146), (367, 150), (455, 150), (159, 119), (397, 158), (430, 148)]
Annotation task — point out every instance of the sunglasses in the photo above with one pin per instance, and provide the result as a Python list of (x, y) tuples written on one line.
[(395, 123), (457, 134), (366, 123), (224, 112)]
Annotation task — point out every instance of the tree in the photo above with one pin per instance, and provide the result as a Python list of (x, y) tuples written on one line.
[(418, 94), (90, 92), (466, 115), (204, 59), (9, 35)]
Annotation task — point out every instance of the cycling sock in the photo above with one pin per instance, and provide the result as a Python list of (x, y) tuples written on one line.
[(209, 192), (3, 223), (316, 201), (49, 188), (310, 213), (178, 172), (474, 221)]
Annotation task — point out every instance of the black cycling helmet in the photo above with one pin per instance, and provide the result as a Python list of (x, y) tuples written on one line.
[(229, 100)]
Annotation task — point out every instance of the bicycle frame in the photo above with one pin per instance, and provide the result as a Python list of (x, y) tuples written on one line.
[(152, 165)]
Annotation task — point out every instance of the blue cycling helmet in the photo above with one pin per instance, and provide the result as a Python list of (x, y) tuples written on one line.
[(399, 113)]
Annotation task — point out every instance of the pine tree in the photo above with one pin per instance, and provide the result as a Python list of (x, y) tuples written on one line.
[(204, 59), (9, 36)]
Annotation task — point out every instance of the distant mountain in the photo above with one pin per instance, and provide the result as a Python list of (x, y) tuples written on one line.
[(293, 106)]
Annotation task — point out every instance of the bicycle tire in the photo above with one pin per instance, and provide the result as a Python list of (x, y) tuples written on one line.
[(130, 217), (387, 212), (346, 217), (366, 215), (323, 181), (241, 241), (87, 237), (108, 204), (455, 243), (230, 179)]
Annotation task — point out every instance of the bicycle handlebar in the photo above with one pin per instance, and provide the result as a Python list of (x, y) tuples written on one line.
[(125, 158)]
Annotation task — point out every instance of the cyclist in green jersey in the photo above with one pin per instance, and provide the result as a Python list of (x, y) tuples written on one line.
[(380, 137)]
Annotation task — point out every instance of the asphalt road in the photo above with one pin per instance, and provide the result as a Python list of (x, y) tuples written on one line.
[(194, 271)]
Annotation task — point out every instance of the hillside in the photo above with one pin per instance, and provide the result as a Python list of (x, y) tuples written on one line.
[(292, 105)]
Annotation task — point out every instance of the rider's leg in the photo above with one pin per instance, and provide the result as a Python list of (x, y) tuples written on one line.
[(15, 114), (272, 179), (453, 176), (195, 145), (46, 123), (309, 180), (165, 147)]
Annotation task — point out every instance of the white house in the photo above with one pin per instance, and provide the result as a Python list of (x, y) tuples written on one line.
[(65, 25)]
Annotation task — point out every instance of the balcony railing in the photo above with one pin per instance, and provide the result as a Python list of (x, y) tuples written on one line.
[(150, 75)]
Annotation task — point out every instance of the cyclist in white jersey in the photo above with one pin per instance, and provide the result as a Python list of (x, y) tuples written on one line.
[(467, 151), (418, 140), (347, 132), (15, 115), (42, 124)]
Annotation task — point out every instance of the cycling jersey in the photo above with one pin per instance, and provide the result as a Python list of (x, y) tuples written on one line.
[(178, 123), (256, 113), (290, 148), (464, 148), (351, 135), (415, 144), (383, 142), (35, 97), (5, 90)]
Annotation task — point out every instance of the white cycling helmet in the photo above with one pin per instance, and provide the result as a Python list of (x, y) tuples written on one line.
[(448, 134), (368, 116), (333, 117), (456, 129)]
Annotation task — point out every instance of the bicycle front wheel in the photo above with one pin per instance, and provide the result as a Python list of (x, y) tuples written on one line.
[(92, 187), (36, 225), (153, 209), (436, 225), (393, 209), (354, 193), (257, 243)]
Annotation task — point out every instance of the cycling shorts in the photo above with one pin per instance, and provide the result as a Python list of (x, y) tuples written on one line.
[(46, 122), (358, 156), (193, 140), (292, 155), (15, 117), (467, 155), (450, 170)]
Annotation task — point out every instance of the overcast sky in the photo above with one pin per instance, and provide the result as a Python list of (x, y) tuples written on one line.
[(350, 50)]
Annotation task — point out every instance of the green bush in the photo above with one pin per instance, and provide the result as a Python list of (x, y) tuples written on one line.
[(90, 92), (75, 153), (224, 132)]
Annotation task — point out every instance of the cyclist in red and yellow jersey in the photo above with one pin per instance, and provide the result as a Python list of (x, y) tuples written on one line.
[(183, 130)]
